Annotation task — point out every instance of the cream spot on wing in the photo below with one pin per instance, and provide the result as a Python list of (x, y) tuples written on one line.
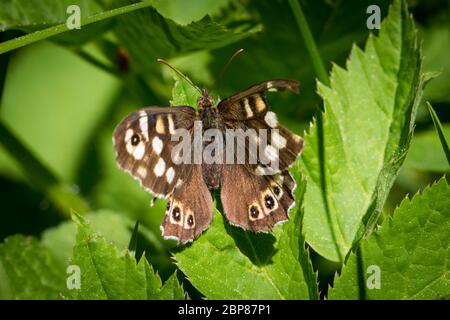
[(130, 147), (170, 174), (297, 138), (278, 140), (270, 87), (254, 139), (271, 153), (266, 171), (160, 125), (160, 168), (260, 171), (271, 119), (139, 151), (260, 104), (248, 109), (128, 135), (171, 124), (279, 179), (179, 183), (142, 172), (143, 124), (157, 145)]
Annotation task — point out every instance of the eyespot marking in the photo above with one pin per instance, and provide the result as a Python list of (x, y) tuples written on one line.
[(255, 212)]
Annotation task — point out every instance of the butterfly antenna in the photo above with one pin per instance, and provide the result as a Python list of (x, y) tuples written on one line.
[(224, 69), (180, 74)]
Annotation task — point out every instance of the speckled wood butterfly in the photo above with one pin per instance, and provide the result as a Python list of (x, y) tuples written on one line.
[(145, 148)]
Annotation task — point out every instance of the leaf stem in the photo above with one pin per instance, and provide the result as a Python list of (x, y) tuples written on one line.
[(440, 131), (309, 41), (61, 28)]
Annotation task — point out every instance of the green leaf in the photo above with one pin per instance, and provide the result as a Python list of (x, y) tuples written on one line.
[(440, 132), (114, 227), (227, 262), (183, 12), (30, 15), (62, 28), (355, 148), (183, 93), (148, 36), (108, 274), (171, 290), (411, 250), (436, 46), (132, 246), (28, 270), (426, 153)]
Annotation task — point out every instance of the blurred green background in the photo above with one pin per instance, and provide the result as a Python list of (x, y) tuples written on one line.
[(62, 99)]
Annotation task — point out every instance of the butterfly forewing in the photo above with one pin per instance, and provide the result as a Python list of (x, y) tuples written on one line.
[(144, 147), (249, 110)]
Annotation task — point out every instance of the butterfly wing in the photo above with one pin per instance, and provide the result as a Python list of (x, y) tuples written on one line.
[(189, 210), (249, 110), (143, 144), (256, 203)]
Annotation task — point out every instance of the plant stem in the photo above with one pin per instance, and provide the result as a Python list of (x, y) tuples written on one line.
[(61, 28), (309, 41)]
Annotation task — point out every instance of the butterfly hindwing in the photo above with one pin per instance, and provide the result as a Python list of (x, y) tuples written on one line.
[(189, 210), (144, 147), (256, 203)]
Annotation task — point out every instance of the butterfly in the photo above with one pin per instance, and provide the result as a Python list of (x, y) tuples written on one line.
[(254, 201)]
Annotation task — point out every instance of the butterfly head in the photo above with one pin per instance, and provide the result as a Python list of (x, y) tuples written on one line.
[(205, 101)]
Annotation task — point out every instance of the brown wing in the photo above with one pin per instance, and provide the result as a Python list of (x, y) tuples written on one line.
[(249, 110), (189, 210), (143, 144), (256, 203)]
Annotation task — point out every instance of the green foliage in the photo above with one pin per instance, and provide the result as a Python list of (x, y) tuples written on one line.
[(412, 251), (426, 153), (56, 122), (168, 39), (108, 274), (62, 28), (354, 150), (440, 131), (31, 15), (183, 93), (230, 263), (28, 270)]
